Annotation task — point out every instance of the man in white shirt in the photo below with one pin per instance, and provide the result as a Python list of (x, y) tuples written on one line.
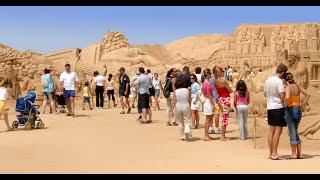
[(69, 80), (274, 91), (99, 83)]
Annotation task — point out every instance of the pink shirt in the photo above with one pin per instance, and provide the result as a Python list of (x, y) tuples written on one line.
[(242, 100), (205, 87)]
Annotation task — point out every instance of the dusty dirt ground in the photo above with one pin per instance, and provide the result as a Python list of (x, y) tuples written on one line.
[(103, 141)]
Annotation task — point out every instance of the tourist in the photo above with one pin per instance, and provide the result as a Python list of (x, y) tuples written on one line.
[(133, 91), (198, 74), (208, 106), (48, 88), (143, 84), (225, 73), (214, 128), (86, 94), (5, 92), (124, 90), (241, 102), (293, 113), (157, 84), (274, 91), (186, 70), (182, 101), (229, 73), (110, 90), (195, 101), (151, 88), (168, 94), (99, 83), (224, 91), (69, 81)]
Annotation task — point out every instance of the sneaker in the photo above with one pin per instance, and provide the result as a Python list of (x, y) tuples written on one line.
[(211, 130), (217, 131), (175, 124), (122, 112), (188, 136), (168, 124)]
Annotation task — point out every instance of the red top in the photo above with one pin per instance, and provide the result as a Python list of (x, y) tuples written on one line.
[(223, 92)]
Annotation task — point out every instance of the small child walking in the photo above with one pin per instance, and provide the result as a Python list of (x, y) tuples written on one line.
[(241, 102), (86, 93), (5, 93)]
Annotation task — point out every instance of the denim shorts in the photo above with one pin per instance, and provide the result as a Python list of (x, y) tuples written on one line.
[(69, 93), (293, 117)]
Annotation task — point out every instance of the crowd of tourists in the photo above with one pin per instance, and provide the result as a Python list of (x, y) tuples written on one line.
[(186, 94)]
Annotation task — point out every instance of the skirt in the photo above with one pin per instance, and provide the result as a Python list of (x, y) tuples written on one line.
[(208, 109)]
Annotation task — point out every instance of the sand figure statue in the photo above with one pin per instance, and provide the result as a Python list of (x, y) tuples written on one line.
[(298, 68), (311, 129)]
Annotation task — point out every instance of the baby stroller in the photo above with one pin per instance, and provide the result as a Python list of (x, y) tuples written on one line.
[(60, 102), (29, 114)]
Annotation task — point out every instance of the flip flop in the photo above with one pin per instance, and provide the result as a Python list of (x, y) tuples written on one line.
[(277, 158)]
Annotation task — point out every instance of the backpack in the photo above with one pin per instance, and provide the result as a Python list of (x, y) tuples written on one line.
[(166, 89)]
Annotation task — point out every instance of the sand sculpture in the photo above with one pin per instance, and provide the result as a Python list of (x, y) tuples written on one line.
[(249, 47)]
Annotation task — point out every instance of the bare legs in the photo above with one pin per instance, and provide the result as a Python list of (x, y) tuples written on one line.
[(209, 119), (195, 119), (6, 120), (273, 141)]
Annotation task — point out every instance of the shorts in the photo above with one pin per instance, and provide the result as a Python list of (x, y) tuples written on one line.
[(48, 96), (152, 91), (2, 106), (195, 106), (143, 101), (133, 94), (208, 109), (69, 93), (121, 92), (157, 93), (276, 117), (86, 99)]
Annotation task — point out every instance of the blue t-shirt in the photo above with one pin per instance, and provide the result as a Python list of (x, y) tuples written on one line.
[(212, 81), (194, 89), (48, 79)]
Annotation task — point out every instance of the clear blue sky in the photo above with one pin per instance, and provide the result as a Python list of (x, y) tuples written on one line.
[(46, 29)]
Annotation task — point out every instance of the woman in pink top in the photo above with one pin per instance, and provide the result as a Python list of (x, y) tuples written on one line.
[(241, 102), (208, 105)]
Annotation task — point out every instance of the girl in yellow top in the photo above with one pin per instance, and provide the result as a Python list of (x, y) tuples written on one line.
[(5, 93), (86, 93)]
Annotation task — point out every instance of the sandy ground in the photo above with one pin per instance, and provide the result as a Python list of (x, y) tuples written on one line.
[(103, 141)]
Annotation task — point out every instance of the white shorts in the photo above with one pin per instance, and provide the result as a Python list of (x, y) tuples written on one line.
[(207, 108), (195, 106)]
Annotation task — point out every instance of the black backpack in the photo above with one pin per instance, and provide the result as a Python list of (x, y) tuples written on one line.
[(166, 89)]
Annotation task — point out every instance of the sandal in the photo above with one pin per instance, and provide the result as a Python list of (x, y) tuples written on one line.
[(276, 158)]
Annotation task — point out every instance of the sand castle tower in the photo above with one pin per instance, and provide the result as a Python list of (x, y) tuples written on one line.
[(113, 40)]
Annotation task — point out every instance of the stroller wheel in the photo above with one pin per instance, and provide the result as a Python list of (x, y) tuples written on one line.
[(28, 125), (40, 125), (15, 124)]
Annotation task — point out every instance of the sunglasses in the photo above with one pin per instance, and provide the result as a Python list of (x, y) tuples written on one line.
[(192, 78)]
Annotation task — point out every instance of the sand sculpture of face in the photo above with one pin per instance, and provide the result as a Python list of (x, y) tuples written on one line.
[(292, 59)]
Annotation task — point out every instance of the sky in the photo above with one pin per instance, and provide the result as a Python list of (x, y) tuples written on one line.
[(51, 28)]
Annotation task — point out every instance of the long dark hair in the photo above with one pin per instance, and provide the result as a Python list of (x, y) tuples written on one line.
[(169, 72), (242, 88), (289, 78)]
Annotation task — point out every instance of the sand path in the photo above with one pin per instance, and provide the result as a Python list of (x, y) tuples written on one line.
[(103, 141)]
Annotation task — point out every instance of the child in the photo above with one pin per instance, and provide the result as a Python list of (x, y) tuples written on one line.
[(86, 95), (241, 101), (5, 92)]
